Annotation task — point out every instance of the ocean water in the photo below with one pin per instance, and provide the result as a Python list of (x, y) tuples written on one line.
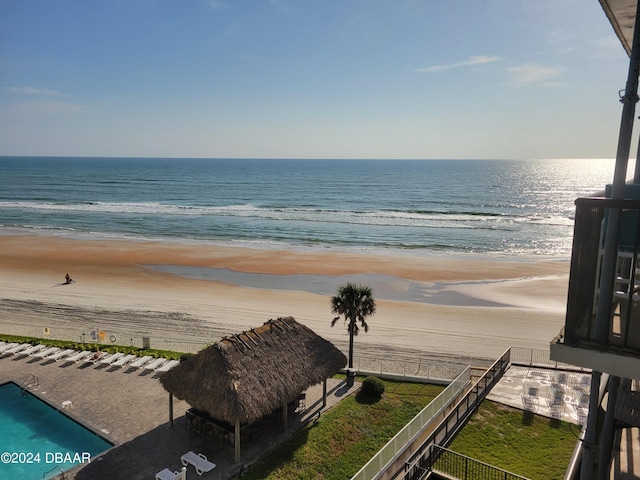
[(430, 207)]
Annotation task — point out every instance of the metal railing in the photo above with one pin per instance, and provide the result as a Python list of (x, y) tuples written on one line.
[(100, 336), (403, 367), (530, 357), (447, 429), (422, 460), (31, 379), (623, 330), (414, 428), (456, 465)]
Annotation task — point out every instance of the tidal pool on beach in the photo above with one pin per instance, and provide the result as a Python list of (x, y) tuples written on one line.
[(385, 287)]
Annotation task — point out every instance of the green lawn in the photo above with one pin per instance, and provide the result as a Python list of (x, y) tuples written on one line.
[(346, 437), (530, 445)]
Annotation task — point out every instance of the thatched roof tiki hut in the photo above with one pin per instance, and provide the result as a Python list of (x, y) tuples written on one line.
[(245, 377)]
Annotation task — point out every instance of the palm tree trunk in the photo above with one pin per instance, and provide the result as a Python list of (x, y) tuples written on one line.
[(351, 324)]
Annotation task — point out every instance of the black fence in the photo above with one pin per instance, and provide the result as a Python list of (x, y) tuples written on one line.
[(456, 465)]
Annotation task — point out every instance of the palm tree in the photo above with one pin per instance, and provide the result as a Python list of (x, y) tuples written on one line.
[(356, 303)]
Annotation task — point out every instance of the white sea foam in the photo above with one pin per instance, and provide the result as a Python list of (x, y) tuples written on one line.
[(481, 207)]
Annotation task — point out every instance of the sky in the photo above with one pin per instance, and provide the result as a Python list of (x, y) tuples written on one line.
[(423, 79)]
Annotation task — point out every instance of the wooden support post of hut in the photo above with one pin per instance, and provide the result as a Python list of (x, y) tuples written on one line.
[(171, 409), (236, 441), (285, 415), (324, 393), (245, 377)]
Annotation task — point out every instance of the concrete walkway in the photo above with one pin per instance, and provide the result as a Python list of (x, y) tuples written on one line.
[(130, 408)]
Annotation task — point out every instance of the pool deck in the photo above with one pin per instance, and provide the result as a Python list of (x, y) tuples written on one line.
[(130, 408)]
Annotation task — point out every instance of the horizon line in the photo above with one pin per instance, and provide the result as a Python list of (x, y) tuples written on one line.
[(312, 158)]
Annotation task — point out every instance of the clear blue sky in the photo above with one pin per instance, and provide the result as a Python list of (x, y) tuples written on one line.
[(309, 78)]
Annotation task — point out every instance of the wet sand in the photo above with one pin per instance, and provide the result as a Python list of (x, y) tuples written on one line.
[(442, 307)]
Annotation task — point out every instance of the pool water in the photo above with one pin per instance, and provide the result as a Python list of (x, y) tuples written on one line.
[(38, 441)]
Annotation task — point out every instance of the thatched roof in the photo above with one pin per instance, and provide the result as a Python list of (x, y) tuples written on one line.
[(247, 376)]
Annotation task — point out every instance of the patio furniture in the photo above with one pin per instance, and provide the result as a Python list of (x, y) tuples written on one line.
[(79, 356), (45, 353), (530, 399), (167, 474), (31, 350), (141, 361), (156, 363), (62, 353), (555, 401), (17, 348), (122, 361), (168, 366), (97, 356), (112, 358), (7, 346), (200, 422), (302, 402), (199, 461)]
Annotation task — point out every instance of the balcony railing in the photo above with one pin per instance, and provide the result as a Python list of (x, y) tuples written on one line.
[(455, 465), (623, 329)]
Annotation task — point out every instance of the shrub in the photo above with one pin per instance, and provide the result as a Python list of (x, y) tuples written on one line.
[(372, 387)]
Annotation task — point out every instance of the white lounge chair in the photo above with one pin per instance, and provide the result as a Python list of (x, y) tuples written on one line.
[(8, 349), (53, 351), (156, 363), (167, 474), (112, 358), (168, 366), (104, 357), (79, 356), (7, 346), (62, 353), (122, 361), (16, 348), (199, 461), (22, 348), (39, 350), (32, 350), (95, 357), (141, 361), (46, 352)]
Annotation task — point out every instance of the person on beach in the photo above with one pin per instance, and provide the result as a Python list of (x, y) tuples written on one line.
[(67, 279)]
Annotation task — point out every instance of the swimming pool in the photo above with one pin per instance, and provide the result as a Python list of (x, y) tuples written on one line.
[(39, 441)]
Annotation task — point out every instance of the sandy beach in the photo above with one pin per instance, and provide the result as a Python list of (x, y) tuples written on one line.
[(458, 307)]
